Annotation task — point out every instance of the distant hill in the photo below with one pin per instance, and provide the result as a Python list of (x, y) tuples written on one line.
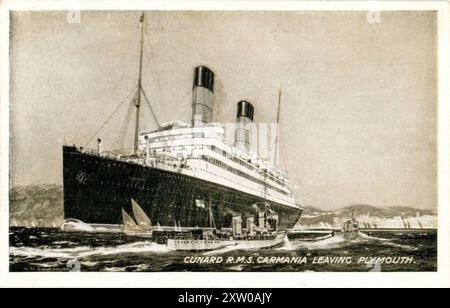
[(392, 216), (36, 205), (386, 212)]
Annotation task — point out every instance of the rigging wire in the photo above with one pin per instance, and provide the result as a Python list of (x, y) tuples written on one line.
[(75, 136), (184, 108), (154, 76), (153, 71), (151, 109), (110, 116), (119, 141)]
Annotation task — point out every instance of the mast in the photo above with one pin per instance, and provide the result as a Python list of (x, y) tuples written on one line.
[(278, 127), (276, 146), (139, 87)]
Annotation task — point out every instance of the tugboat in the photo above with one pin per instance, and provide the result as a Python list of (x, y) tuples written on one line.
[(263, 235), (350, 229)]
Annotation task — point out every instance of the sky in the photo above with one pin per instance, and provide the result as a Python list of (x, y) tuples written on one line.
[(358, 112)]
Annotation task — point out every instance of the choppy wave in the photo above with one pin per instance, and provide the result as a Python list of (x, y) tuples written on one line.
[(328, 242), (115, 253), (87, 251), (78, 226), (237, 268), (386, 242), (137, 267), (324, 242), (287, 245), (223, 250), (47, 264), (114, 269), (371, 237), (63, 242), (89, 263)]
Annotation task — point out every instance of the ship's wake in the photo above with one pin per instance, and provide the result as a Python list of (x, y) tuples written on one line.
[(338, 241), (73, 225), (369, 237), (78, 226), (287, 245), (384, 241), (225, 249), (324, 243)]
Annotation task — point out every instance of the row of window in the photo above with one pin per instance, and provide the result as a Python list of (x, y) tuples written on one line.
[(170, 137), (244, 164), (217, 175), (226, 155), (240, 173)]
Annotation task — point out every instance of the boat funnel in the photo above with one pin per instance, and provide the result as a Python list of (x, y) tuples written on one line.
[(250, 225), (261, 220), (237, 225), (244, 123), (202, 96)]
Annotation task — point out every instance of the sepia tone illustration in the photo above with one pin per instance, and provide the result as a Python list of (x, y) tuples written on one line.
[(223, 141)]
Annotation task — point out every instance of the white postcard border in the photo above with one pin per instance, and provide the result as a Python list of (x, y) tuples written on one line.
[(278, 279)]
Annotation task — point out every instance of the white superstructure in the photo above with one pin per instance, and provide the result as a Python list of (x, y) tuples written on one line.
[(202, 152)]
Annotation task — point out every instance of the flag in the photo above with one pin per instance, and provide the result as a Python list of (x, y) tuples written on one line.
[(200, 203)]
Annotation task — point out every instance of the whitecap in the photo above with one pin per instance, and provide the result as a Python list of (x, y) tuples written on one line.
[(77, 226), (63, 242), (89, 263), (114, 269), (30, 252), (86, 251), (369, 237), (407, 247), (237, 268), (223, 250), (138, 268), (327, 242), (287, 245), (47, 264), (387, 242)]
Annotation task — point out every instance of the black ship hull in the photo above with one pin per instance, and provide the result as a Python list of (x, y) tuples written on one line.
[(97, 188)]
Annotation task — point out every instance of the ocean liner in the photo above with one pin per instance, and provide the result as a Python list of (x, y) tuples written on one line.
[(178, 171)]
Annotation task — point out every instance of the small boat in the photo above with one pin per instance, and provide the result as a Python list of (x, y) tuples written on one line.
[(264, 235), (350, 229), (205, 244)]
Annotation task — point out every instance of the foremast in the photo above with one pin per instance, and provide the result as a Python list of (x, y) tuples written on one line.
[(139, 88)]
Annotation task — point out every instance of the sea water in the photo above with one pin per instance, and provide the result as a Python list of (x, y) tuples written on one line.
[(41, 249)]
